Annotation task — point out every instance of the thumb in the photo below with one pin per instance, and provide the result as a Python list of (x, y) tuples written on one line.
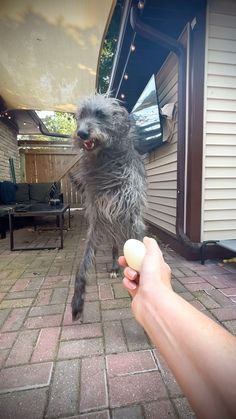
[(152, 258)]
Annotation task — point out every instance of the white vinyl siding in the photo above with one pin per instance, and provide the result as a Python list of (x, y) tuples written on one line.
[(161, 165), (8, 149), (219, 151)]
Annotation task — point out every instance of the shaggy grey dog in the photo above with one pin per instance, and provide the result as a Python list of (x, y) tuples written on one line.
[(112, 180)]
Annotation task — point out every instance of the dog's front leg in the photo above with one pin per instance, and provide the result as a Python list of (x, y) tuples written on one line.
[(77, 302), (115, 267)]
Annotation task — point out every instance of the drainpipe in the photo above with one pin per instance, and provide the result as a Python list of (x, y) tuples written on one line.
[(175, 46)]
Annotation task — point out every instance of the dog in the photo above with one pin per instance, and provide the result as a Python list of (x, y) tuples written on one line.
[(112, 180)]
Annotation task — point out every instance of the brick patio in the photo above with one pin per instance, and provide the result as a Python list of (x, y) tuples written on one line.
[(105, 367)]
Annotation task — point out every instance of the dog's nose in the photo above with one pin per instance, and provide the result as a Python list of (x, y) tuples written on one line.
[(84, 135)]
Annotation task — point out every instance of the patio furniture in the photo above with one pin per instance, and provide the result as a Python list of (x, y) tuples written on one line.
[(26, 194), (39, 210)]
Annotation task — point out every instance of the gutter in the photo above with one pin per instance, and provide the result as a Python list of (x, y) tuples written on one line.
[(175, 46)]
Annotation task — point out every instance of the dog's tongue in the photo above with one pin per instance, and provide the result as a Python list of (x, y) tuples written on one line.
[(89, 144)]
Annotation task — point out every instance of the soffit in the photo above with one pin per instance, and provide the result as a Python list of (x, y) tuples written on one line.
[(49, 51)]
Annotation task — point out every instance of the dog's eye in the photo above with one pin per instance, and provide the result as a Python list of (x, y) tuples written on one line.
[(99, 114)]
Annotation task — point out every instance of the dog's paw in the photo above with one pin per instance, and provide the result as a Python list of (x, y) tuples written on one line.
[(114, 274)]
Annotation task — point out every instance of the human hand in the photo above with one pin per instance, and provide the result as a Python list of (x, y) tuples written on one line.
[(155, 274)]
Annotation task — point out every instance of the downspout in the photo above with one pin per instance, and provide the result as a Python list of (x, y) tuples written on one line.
[(175, 46)]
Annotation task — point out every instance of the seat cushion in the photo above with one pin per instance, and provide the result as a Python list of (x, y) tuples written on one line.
[(39, 192), (22, 193)]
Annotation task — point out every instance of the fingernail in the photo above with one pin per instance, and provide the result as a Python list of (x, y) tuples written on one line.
[(132, 285), (132, 274)]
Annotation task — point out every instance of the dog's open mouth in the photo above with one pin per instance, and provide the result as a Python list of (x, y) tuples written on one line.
[(89, 144)]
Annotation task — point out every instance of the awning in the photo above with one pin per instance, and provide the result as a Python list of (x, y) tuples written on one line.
[(49, 51)]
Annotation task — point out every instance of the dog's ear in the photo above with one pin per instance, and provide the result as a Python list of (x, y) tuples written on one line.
[(121, 119)]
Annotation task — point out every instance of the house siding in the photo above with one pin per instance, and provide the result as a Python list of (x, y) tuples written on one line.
[(161, 165), (219, 148), (8, 149)]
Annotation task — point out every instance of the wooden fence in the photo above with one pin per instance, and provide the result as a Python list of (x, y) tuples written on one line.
[(50, 166)]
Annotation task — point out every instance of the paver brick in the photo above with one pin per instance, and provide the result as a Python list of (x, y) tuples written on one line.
[(183, 408), (82, 331), (167, 376), (220, 281), (92, 296), (35, 283), (120, 291), (105, 292), (101, 414), (224, 313), (116, 314), (3, 315), (130, 412), (135, 336), (2, 295), (160, 409), (15, 319), (221, 299), (231, 326), (7, 339), (22, 348), (3, 356), (63, 399), (130, 363), (43, 297), (39, 322), (46, 310), (25, 302), (23, 404), (67, 319), (229, 292), (59, 296), (190, 280), (46, 345), (206, 299), (93, 390), (91, 312), (137, 388), (25, 377), (177, 286), (198, 305), (60, 281), (114, 337), (199, 286), (80, 348), (118, 303)]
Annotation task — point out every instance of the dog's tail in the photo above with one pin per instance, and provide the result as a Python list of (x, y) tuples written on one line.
[(77, 303)]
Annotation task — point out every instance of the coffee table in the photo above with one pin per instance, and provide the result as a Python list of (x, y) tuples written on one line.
[(39, 210)]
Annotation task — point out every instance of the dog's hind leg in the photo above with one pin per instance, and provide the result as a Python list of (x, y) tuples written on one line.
[(115, 267), (77, 302)]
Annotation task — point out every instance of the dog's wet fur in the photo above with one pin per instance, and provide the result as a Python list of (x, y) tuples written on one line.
[(112, 180)]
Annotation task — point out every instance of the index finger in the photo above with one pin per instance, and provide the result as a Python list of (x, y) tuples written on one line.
[(122, 261)]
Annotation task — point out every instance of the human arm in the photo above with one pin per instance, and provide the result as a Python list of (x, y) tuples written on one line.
[(200, 353)]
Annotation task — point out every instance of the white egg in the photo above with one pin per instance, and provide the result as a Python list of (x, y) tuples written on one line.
[(134, 252)]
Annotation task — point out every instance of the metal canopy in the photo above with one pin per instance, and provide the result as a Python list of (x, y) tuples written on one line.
[(49, 51)]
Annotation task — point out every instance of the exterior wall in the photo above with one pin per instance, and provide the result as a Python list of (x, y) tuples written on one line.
[(161, 165), (219, 151), (8, 149)]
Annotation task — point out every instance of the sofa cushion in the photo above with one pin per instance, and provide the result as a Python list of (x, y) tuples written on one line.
[(7, 192), (39, 192), (22, 193)]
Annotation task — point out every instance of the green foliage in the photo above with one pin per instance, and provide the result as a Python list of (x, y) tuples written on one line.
[(109, 49), (60, 123)]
